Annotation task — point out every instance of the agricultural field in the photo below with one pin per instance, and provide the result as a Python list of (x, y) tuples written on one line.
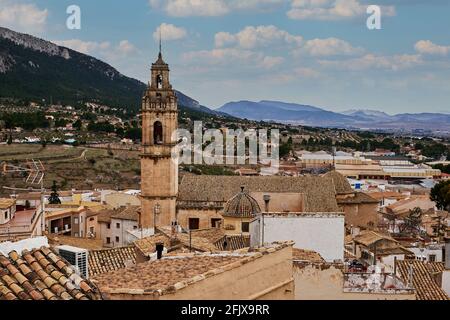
[(72, 167)]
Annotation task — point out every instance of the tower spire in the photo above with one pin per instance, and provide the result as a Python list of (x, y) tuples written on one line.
[(160, 42)]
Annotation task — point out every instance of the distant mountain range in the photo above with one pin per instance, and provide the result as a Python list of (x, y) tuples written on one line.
[(314, 116), (34, 69)]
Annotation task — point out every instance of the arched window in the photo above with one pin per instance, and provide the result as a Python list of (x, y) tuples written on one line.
[(157, 133), (159, 81)]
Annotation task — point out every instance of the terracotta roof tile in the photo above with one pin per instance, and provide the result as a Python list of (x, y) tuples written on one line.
[(41, 274), (101, 261), (423, 279), (173, 273), (319, 190)]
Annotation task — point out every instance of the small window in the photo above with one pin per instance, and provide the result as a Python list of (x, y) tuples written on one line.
[(194, 223), (91, 230), (117, 239), (118, 225), (91, 219), (215, 222), (6, 215), (432, 258), (135, 227), (245, 226), (108, 240), (75, 220), (108, 226)]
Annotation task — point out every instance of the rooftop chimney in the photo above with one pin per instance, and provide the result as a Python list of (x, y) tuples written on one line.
[(159, 250), (266, 198)]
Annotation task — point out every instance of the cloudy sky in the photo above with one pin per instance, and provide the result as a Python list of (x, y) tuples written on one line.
[(316, 52)]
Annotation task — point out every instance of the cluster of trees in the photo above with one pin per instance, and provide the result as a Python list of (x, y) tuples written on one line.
[(129, 131), (440, 194), (443, 168), (433, 150), (370, 145), (28, 121)]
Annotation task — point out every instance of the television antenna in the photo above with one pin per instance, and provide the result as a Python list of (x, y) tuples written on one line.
[(35, 176)]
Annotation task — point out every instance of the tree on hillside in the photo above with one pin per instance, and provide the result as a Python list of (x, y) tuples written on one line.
[(54, 196), (10, 141), (440, 194)]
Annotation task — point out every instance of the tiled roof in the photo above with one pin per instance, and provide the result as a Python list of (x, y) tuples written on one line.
[(101, 261), (234, 242), (147, 245), (242, 205), (341, 184), (41, 275), (368, 237), (359, 197), (423, 280), (319, 190), (306, 255), (85, 243), (5, 203), (122, 213), (127, 213), (170, 274)]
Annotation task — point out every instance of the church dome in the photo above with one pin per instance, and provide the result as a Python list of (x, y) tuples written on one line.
[(241, 205)]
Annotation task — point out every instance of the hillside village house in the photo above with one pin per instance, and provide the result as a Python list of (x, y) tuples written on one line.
[(114, 226), (18, 223)]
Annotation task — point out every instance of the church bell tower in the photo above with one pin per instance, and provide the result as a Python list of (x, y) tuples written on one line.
[(159, 173)]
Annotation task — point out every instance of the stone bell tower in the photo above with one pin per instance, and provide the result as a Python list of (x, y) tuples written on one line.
[(159, 173)]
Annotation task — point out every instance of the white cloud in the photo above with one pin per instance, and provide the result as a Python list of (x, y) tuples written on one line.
[(210, 8), (22, 17), (371, 61), (253, 37), (331, 9), (102, 50), (428, 47), (125, 47), (86, 47), (232, 57), (329, 47), (169, 32)]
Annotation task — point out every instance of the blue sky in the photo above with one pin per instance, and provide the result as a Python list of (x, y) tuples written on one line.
[(316, 52)]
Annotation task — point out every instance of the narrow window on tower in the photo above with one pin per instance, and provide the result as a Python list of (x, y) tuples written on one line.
[(159, 81), (157, 133)]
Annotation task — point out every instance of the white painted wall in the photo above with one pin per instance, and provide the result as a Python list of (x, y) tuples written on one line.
[(424, 254), (323, 233), (446, 281)]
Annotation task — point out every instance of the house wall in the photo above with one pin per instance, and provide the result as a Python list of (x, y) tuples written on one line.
[(7, 214), (314, 282), (119, 199), (280, 202), (234, 225), (361, 215), (323, 233), (268, 277), (204, 216), (425, 254), (121, 233), (446, 281)]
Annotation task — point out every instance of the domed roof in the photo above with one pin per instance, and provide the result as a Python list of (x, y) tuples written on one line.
[(241, 205)]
